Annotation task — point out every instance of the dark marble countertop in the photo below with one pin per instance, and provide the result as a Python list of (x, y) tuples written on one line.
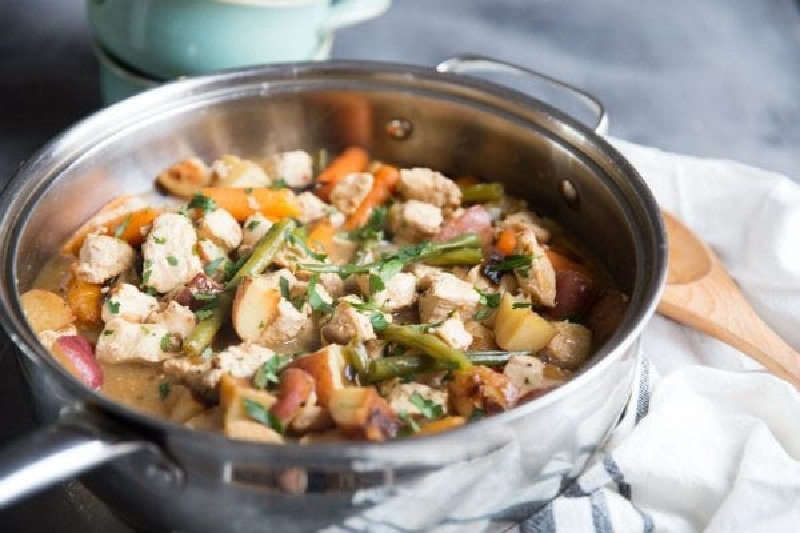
[(713, 79)]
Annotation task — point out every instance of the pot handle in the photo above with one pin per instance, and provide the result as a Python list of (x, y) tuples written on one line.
[(53, 454), (466, 63)]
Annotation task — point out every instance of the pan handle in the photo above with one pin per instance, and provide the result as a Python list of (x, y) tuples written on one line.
[(466, 63), (53, 454)]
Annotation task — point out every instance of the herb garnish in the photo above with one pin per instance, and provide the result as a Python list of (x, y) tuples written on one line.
[(315, 299), (253, 224), (409, 420), (373, 229), (519, 263), (172, 260), (429, 409), (268, 372), (202, 202), (213, 266), (113, 307), (160, 240), (279, 183), (487, 303), (284, 285), (163, 390), (120, 230), (259, 413), (521, 305)]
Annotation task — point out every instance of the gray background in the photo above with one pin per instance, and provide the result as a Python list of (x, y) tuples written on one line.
[(712, 78)]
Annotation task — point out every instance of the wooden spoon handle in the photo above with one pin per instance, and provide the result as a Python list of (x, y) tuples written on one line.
[(715, 305)]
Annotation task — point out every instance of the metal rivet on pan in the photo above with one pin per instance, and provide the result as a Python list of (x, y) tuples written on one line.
[(399, 129), (569, 193), (164, 474)]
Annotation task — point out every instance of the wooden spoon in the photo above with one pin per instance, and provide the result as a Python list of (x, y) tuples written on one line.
[(701, 294)]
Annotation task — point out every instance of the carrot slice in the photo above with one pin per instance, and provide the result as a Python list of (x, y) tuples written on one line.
[(129, 226), (386, 177), (353, 159), (506, 242), (84, 299), (321, 236), (274, 204)]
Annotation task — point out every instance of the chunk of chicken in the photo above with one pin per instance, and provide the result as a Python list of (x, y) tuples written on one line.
[(413, 221), (253, 229), (127, 302), (122, 341), (350, 191), (239, 361), (527, 374), (178, 319), (399, 396), (169, 258), (347, 323), (452, 332), (103, 257), (429, 186), (538, 281), (287, 324), (220, 227), (448, 294), (294, 167), (526, 222), (400, 291), (312, 208)]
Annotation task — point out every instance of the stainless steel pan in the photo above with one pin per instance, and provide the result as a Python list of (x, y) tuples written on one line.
[(496, 471)]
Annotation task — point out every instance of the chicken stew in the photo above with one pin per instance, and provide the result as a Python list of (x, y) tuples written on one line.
[(279, 300)]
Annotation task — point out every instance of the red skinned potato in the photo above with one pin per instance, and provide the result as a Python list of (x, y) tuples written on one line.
[(294, 390), (606, 315), (476, 220), (575, 293), (77, 356)]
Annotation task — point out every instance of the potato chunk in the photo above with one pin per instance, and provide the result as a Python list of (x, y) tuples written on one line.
[(521, 328), (46, 310)]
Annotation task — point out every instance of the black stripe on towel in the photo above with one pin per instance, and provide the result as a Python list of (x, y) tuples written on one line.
[(643, 400), (600, 519), (624, 489)]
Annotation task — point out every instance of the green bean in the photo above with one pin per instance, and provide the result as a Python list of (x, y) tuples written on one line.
[(397, 366), (356, 355), (203, 333), (264, 251), (461, 256), (481, 193), (408, 254), (426, 343)]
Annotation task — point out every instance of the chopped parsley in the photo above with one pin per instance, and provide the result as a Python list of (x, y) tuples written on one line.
[(163, 390), (518, 263), (204, 314), (373, 229), (429, 409), (521, 305), (107, 332), (207, 353), (477, 414), (298, 238), (488, 302), (409, 420), (284, 285), (253, 224), (378, 321), (268, 372), (120, 229), (259, 413), (231, 267), (166, 343), (202, 202), (213, 266), (172, 260), (160, 240), (279, 183), (315, 300), (113, 307)]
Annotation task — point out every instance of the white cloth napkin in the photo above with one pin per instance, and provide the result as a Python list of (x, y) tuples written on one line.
[(715, 446)]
